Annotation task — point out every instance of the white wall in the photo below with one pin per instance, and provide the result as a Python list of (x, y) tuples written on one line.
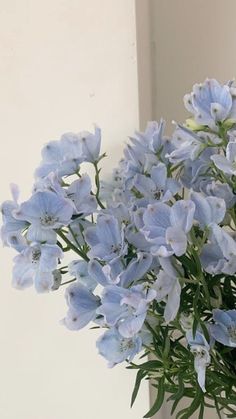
[(64, 64), (190, 41)]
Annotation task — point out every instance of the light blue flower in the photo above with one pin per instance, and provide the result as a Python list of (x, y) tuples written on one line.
[(35, 265), (220, 190), (219, 254), (45, 211), (210, 103), (224, 329), (82, 306), (136, 269), (208, 209), (158, 186), (79, 270), (11, 230), (51, 182), (107, 274), (115, 273), (200, 349), (188, 145), (168, 288), (106, 239), (116, 349), (152, 140), (91, 144), (166, 227), (62, 157), (126, 308), (196, 173), (80, 194), (226, 164)]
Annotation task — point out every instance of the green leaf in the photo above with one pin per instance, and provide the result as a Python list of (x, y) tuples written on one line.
[(188, 264), (198, 399), (147, 366), (159, 400), (140, 375)]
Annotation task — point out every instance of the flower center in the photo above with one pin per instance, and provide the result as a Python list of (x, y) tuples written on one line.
[(36, 254), (158, 193), (116, 248), (48, 220), (126, 344)]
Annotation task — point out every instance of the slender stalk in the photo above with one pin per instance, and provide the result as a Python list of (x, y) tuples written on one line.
[(68, 282), (72, 246), (97, 183)]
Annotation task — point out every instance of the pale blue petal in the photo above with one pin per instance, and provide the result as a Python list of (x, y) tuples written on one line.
[(182, 214), (177, 239), (130, 326), (223, 164), (173, 302), (136, 269), (159, 175)]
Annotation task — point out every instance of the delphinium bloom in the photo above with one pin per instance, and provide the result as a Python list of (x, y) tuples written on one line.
[(116, 349), (45, 211), (210, 103), (36, 264), (200, 350), (154, 248), (224, 328), (106, 239), (166, 227)]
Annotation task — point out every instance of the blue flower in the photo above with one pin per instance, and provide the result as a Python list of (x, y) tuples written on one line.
[(106, 239), (219, 254), (220, 190), (200, 349), (226, 164), (107, 274), (224, 329), (91, 144), (136, 269), (62, 157), (80, 270), (12, 227), (45, 211), (126, 308), (80, 194), (116, 349), (196, 173), (210, 103), (166, 227), (168, 288), (35, 265), (188, 145), (208, 209), (158, 186), (82, 306)]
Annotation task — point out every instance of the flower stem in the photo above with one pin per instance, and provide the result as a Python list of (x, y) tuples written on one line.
[(72, 246)]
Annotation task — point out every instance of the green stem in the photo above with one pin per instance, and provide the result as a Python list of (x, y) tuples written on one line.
[(72, 246), (97, 183), (68, 282)]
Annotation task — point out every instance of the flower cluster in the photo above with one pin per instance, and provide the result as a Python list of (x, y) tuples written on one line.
[(155, 247)]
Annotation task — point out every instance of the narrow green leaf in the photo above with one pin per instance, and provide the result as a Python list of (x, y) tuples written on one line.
[(198, 399), (159, 400), (140, 375)]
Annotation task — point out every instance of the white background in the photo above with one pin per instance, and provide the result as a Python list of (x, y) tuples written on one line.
[(64, 64)]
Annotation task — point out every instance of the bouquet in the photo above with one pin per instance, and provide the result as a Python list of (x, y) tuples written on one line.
[(153, 249)]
